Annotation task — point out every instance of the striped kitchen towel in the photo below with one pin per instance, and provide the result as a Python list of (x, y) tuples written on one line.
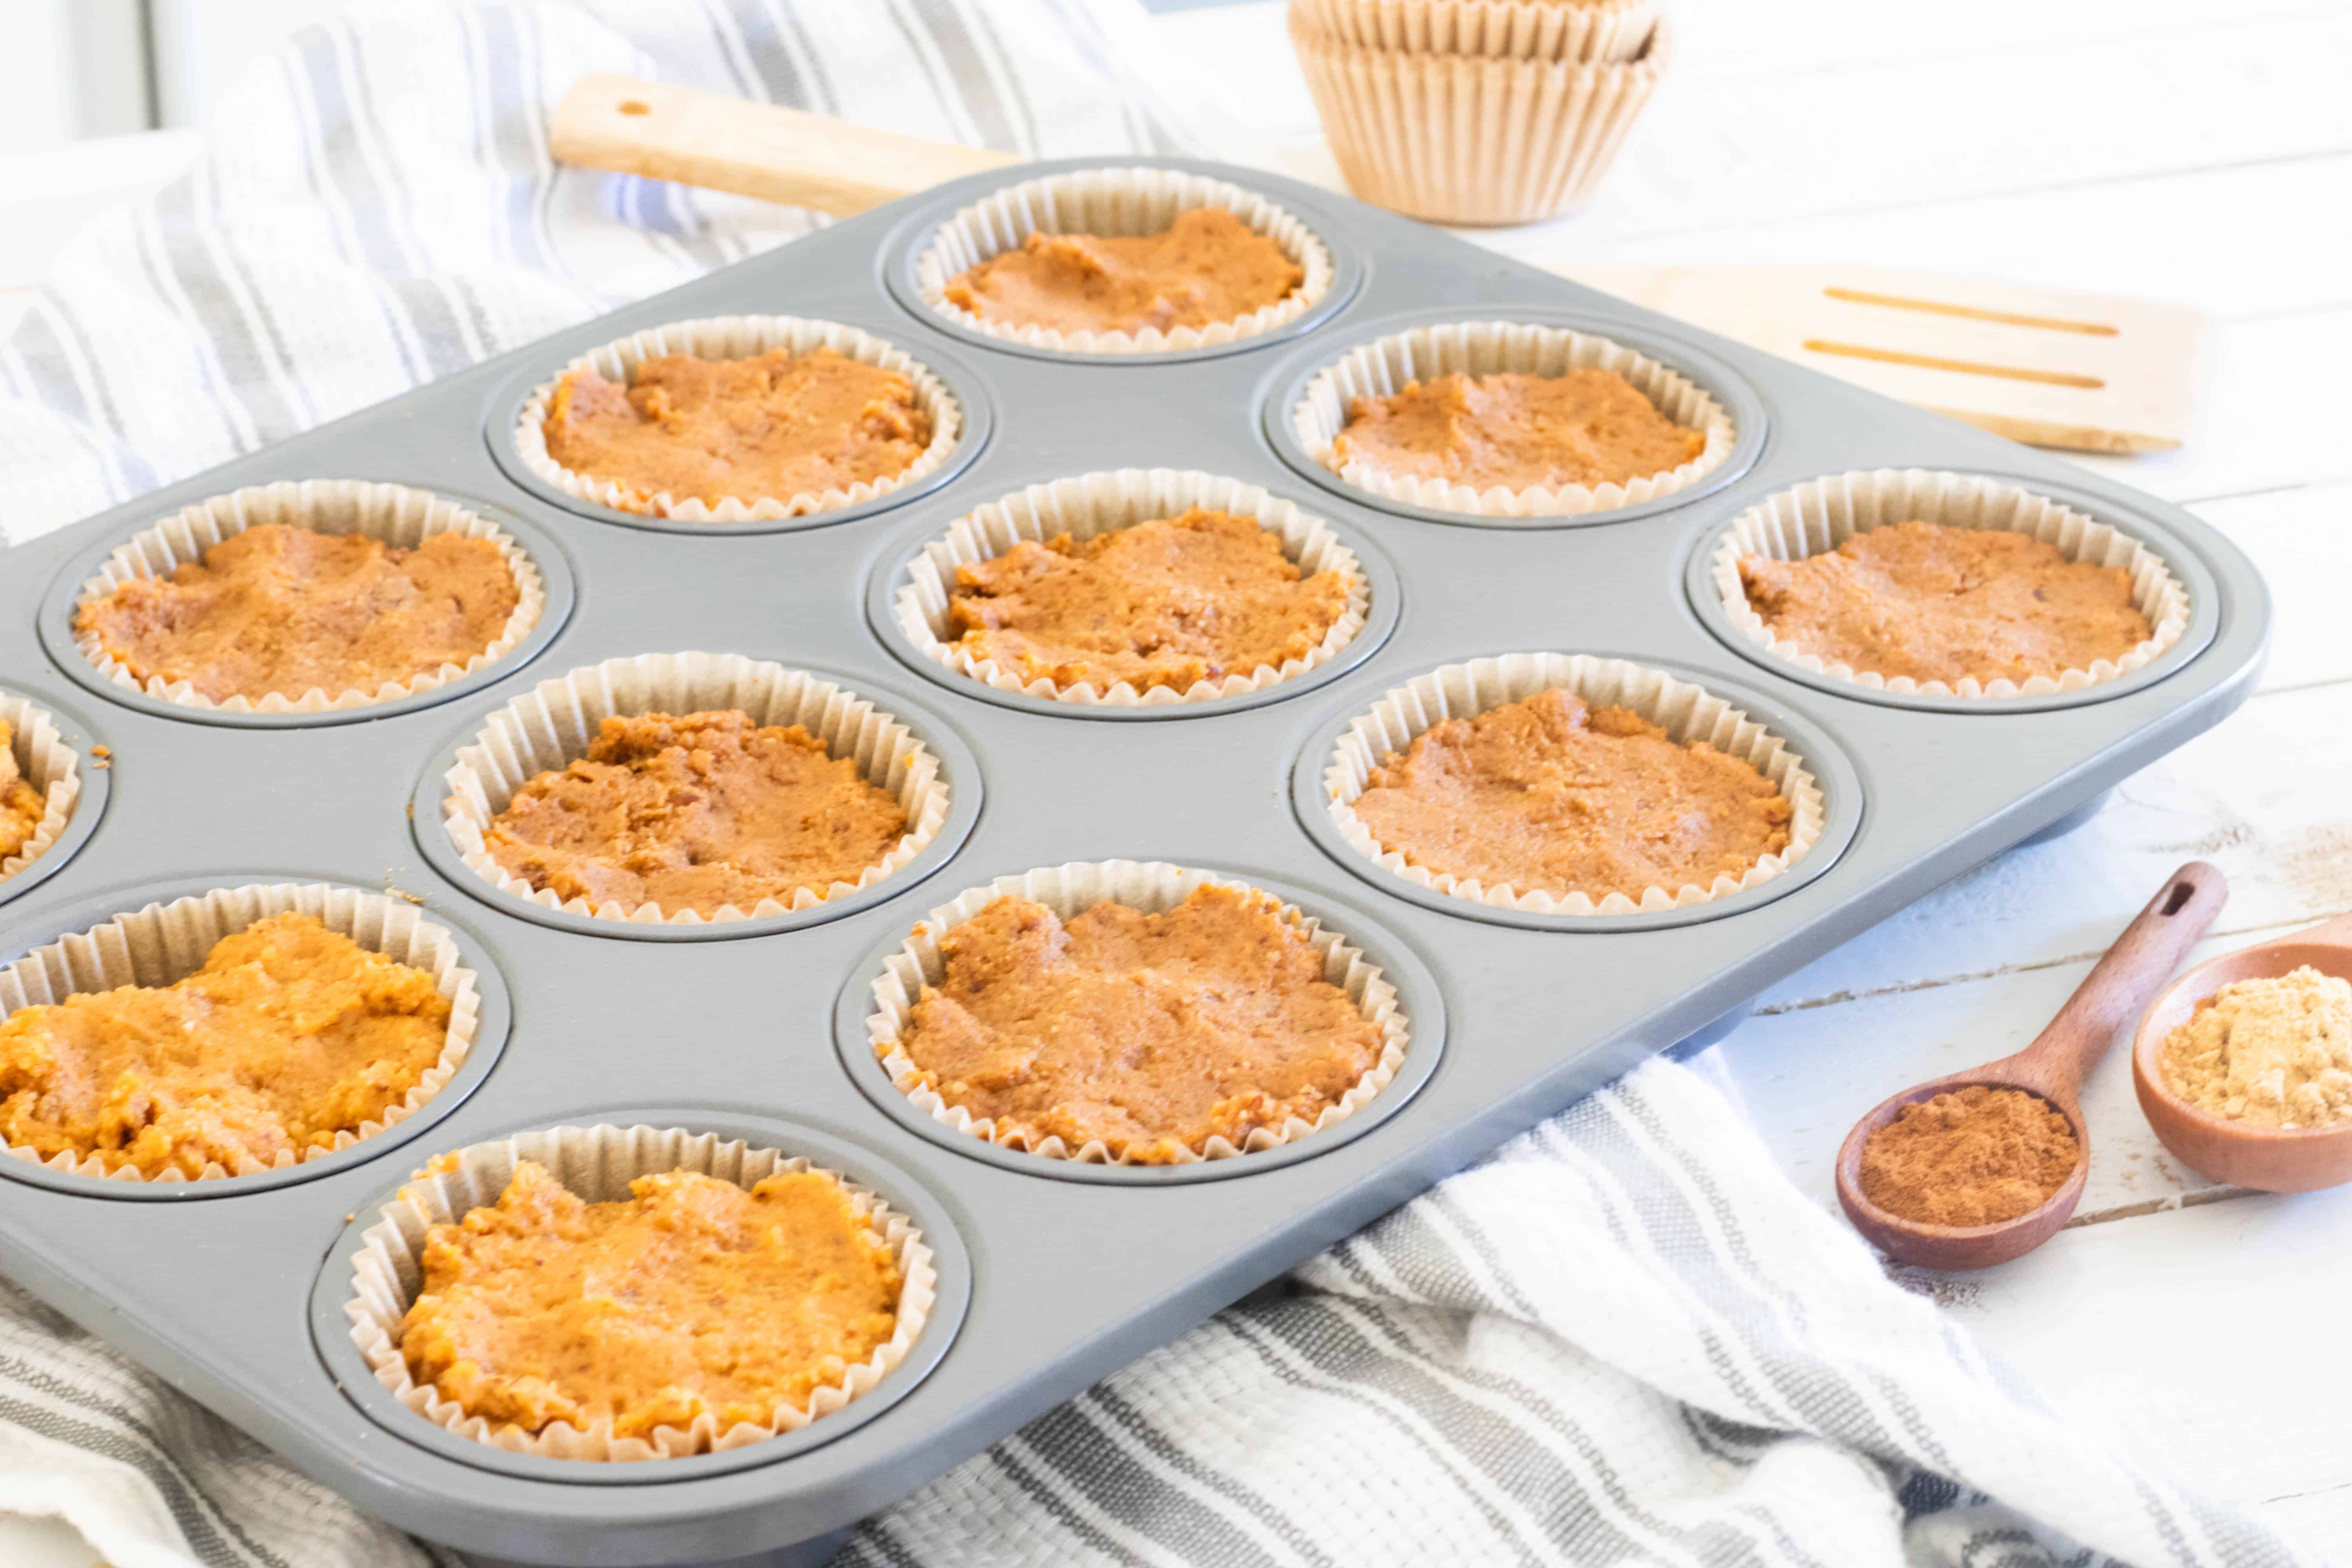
[(1623, 1339)]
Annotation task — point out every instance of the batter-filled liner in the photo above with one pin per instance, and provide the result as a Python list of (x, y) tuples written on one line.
[(1687, 712), (598, 1164), (162, 943), (1582, 33), (52, 767), (1154, 887), (545, 728), (396, 514), (1115, 203), (1819, 515), (1097, 503), (1383, 367), (732, 338)]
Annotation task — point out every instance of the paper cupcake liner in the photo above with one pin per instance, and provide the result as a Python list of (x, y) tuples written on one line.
[(1470, 138), (1383, 368), (165, 942), (50, 766), (598, 1164), (1116, 204), (545, 728), (1687, 712), (1102, 503), (396, 514), (1154, 887), (1821, 514), (736, 337), (1503, 29)]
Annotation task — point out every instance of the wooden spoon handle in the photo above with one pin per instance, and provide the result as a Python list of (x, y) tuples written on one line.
[(2117, 991), (707, 138)]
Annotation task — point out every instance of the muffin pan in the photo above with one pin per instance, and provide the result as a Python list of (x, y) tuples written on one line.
[(1052, 1275)]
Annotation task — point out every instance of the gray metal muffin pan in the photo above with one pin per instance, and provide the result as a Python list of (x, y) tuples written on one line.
[(230, 1289)]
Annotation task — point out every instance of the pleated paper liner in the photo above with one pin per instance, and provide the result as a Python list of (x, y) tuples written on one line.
[(598, 1164), (1821, 514), (1686, 711), (397, 515), (730, 338), (1473, 139), (1383, 367), (546, 729), (1502, 30), (1115, 203), (1154, 887), (50, 766), (162, 943), (1098, 503)]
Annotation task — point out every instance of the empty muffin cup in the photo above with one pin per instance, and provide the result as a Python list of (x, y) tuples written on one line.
[(546, 729), (162, 943), (1687, 712), (1155, 887), (597, 1164), (735, 338), (396, 515), (1118, 204), (46, 766), (1087, 506), (1593, 30), (1385, 366), (1816, 517)]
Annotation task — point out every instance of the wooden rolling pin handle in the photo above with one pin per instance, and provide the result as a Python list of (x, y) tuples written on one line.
[(635, 127)]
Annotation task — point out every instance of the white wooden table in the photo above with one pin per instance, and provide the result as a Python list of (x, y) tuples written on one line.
[(2167, 148)]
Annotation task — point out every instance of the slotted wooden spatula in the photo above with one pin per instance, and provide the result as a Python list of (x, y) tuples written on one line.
[(2078, 371)]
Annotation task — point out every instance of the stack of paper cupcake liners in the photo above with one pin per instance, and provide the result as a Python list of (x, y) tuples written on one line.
[(1478, 112)]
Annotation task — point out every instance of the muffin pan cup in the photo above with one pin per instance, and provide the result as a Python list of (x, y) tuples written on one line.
[(1053, 1273)]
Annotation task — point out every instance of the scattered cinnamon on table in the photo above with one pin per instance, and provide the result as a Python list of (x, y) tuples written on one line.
[(1968, 1157)]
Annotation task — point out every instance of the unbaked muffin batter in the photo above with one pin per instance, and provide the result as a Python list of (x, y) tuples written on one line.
[(289, 1034), (1948, 604), (779, 425), (696, 813), (1171, 602), (284, 610), (1206, 267), (1550, 794), (1154, 1033), (690, 1297), (1586, 428), (21, 806)]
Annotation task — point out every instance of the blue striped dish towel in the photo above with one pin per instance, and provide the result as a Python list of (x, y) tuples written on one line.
[(1623, 1339)]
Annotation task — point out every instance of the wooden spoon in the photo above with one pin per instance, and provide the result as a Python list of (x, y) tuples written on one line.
[(2052, 1067)]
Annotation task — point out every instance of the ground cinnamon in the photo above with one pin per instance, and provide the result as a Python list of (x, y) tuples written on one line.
[(1970, 1156)]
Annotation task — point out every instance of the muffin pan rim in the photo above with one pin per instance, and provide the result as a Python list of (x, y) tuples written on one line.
[(96, 788)]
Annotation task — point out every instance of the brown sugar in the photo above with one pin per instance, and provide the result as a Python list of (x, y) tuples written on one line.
[(690, 1297), (1587, 428), (696, 813), (289, 1035), (1171, 602), (778, 425), (1551, 794), (290, 610), (1948, 604), (1150, 1032), (1968, 1157), (21, 806), (1206, 267)]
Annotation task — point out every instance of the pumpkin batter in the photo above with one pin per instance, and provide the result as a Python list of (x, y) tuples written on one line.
[(1171, 602), (696, 813), (778, 425), (1587, 428), (289, 1034), (284, 610), (1154, 1033), (1949, 605), (1206, 267), (691, 1297), (1553, 795), (21, 806)]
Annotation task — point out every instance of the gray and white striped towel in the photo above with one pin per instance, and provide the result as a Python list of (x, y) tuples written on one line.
[(1625, 1338)]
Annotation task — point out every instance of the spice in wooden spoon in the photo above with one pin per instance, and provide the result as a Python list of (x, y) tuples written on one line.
[(1970, 1156)]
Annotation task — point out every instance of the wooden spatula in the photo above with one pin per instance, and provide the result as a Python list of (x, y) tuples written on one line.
[(2056, 370)]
